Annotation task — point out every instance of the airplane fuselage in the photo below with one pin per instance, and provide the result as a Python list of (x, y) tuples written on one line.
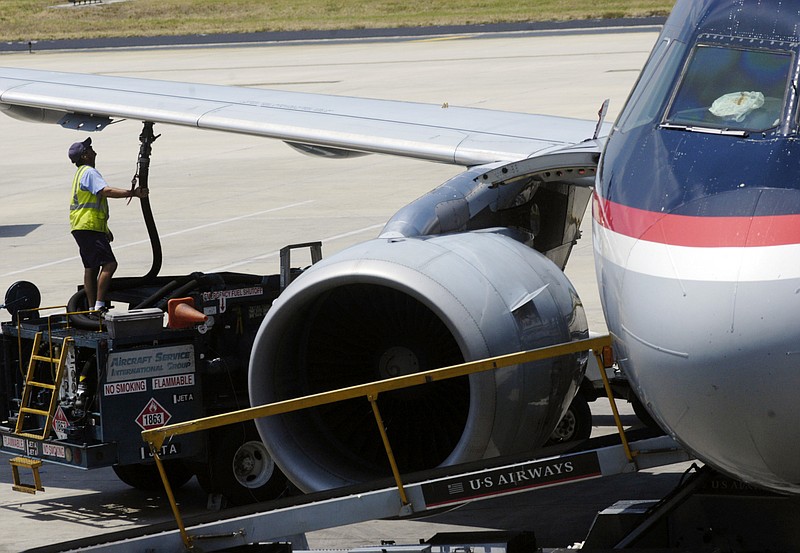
[(697, 236)]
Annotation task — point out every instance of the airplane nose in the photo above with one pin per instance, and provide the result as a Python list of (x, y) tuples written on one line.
[(704, 310)]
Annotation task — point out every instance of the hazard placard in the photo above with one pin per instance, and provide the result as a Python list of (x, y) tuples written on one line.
[(153, 415), (60, 423)]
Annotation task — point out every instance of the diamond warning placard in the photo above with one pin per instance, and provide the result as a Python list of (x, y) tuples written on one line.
[(60, 423), (153, 415)]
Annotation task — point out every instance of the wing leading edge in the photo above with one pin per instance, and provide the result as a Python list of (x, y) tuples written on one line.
[(455, 135)]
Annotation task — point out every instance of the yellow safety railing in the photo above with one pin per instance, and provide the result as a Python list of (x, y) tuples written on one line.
[(49, 329), (156, 437), (65, 316)]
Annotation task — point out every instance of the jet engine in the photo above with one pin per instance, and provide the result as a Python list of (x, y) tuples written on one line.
[(398, 305)]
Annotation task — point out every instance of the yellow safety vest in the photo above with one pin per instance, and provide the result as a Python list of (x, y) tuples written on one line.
[(87, 211)]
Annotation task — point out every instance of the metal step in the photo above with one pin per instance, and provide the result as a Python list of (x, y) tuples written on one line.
[(32, 464), (32, 411)]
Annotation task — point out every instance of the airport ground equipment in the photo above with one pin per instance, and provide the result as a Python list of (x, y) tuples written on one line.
[(483, 480), (81, 396), (257, 524)]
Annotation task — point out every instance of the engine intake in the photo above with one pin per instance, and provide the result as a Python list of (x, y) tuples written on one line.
[(390, 307)]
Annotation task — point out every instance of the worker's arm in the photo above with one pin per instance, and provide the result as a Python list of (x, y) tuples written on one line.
[(111, 192)]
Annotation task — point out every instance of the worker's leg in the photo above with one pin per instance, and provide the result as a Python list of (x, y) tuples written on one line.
[(99, 263), (104, 281), (90, 285)]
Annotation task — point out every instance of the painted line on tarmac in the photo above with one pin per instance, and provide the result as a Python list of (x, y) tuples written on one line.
[(223, 222), (442, 38), (168, 235), (277, 252)]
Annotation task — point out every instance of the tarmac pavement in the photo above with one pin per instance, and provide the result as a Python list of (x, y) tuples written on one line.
[(230, 202)]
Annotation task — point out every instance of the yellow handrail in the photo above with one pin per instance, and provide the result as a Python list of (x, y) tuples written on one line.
[(49, 329), (156, 437), (50, 317)]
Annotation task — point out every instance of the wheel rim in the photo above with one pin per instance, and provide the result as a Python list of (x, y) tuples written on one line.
[(252, 465), (566, 428)]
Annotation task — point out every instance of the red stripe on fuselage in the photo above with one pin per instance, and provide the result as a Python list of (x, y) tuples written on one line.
[(694, 231)]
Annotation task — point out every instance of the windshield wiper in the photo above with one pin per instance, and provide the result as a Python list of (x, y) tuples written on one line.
[(705, 130)]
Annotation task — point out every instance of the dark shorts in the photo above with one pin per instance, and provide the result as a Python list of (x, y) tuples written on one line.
[(95, 248)]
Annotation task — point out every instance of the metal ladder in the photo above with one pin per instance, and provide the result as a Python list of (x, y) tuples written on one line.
[(30, 384)]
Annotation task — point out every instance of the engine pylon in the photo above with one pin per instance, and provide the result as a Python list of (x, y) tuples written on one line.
[(182, 313)]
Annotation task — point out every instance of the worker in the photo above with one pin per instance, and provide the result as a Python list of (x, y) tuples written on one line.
[(88, 216)]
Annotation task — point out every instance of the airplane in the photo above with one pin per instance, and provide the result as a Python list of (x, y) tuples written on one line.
[(695, 214), (694, 218)]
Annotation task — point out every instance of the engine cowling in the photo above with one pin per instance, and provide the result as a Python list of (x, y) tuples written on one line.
[(390, 307)]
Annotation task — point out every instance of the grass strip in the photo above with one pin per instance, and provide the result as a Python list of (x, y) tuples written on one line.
[(24, 20)]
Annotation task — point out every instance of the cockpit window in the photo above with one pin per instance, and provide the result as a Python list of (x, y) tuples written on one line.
[(735, 89)]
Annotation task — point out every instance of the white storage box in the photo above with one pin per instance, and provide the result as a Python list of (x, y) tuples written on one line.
[(136, 322)]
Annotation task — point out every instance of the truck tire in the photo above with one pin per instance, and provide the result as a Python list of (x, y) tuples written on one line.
[(576, 425), (240, 468), (146, 477)]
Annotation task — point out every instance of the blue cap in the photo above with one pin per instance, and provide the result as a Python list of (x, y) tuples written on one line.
[(77, 149)]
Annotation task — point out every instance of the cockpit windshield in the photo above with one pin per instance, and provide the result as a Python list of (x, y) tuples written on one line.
[(732, 89)]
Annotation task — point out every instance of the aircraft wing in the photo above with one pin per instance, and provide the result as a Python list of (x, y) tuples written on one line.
[(333, 124)]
